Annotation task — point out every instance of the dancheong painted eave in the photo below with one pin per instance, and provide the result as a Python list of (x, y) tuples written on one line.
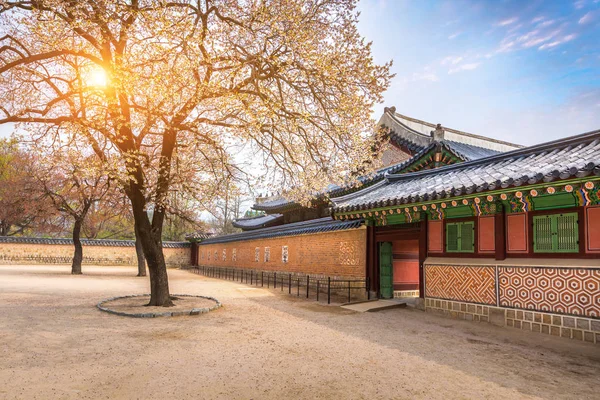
[(573, 157)]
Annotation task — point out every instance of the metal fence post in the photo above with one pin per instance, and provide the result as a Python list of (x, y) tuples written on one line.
[(328, 290), (307, 285), (318, 289), (298, 294), (348, 291), (262, 280), (290, 284)]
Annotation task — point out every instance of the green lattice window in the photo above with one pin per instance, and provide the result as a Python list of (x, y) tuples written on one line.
[(556, 233), (460, 237)]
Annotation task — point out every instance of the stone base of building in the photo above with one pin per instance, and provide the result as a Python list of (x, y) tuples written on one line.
[(400, 294), (577, 328)]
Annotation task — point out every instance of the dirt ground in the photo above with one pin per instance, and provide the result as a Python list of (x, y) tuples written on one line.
[(261, 344)]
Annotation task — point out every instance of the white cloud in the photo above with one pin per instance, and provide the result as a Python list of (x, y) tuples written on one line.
[(464, 67), (579, 4), (454, 35), (451, 60), (547, 23), (537, 19), (586, 19), (558, 42), (425, 76), (508, 21)]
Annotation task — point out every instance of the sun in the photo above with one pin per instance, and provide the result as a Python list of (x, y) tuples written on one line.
[(97, 77)]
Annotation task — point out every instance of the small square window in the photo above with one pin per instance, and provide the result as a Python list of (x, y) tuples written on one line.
[(284, 254)]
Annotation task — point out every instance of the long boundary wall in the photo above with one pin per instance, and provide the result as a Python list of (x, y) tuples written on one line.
[(338, 253), (17, 250)]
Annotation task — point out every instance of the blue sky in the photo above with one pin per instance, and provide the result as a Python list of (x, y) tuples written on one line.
[(522, 71)]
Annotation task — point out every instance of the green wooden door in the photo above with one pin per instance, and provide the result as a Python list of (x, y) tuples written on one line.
[(386, 286)]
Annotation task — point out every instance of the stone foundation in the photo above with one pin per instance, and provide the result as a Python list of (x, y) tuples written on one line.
[(577, 328), (400, 294)]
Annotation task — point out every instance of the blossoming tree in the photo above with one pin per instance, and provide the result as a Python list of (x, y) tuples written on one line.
[(171, 87)]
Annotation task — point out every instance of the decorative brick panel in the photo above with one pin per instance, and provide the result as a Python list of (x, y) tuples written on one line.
[(516, 233), (470, 284), (435, 242), (592, 216), (558, 290), (487, 238)]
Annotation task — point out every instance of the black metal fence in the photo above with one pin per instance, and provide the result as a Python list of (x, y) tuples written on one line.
[(320, 288)]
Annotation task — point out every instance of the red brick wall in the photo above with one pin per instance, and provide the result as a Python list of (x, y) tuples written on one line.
[(339, 253), (393, 155)]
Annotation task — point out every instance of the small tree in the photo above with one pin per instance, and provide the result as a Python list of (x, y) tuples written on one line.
[(173, 85), (74, 184)]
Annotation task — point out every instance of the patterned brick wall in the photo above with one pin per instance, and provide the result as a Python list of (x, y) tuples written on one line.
[(557, 290), (470, 284), (339, 253), (20, 253)]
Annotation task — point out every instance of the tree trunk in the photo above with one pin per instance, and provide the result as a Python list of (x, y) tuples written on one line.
[(139, 251), (78, 256), (152, 246)]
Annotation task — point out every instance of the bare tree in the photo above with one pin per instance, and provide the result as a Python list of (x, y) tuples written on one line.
[(177, 83)]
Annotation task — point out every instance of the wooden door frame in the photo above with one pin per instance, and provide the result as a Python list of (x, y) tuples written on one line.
[(378, 234)]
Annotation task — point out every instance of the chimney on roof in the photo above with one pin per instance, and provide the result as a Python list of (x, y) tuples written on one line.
[(438, 134)]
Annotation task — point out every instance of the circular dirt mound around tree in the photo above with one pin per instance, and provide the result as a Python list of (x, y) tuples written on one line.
[(135, 306)]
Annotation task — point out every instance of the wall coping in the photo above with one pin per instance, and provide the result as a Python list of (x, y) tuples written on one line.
[(84, 242), (515, 262)]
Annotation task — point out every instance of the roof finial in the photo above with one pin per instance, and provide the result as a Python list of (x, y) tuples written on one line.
[(438, 134)]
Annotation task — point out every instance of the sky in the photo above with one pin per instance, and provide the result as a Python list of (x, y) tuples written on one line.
[(521, 71)]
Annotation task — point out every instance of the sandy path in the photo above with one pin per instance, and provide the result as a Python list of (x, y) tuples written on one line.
[(261, 344)]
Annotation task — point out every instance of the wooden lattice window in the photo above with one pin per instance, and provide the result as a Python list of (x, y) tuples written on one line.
[(556, 233), (460, 237)]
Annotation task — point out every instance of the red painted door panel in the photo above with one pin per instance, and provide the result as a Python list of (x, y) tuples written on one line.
[(406, 264)]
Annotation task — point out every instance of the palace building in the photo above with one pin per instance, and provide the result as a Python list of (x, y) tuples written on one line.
[(477, 228)]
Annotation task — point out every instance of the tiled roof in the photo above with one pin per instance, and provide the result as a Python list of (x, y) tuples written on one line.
[(412, 135), (577, 156), (326, 224), (260, 221), (468, 152), (418, 133), (463, 151), (84, 242), (279, 204)]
